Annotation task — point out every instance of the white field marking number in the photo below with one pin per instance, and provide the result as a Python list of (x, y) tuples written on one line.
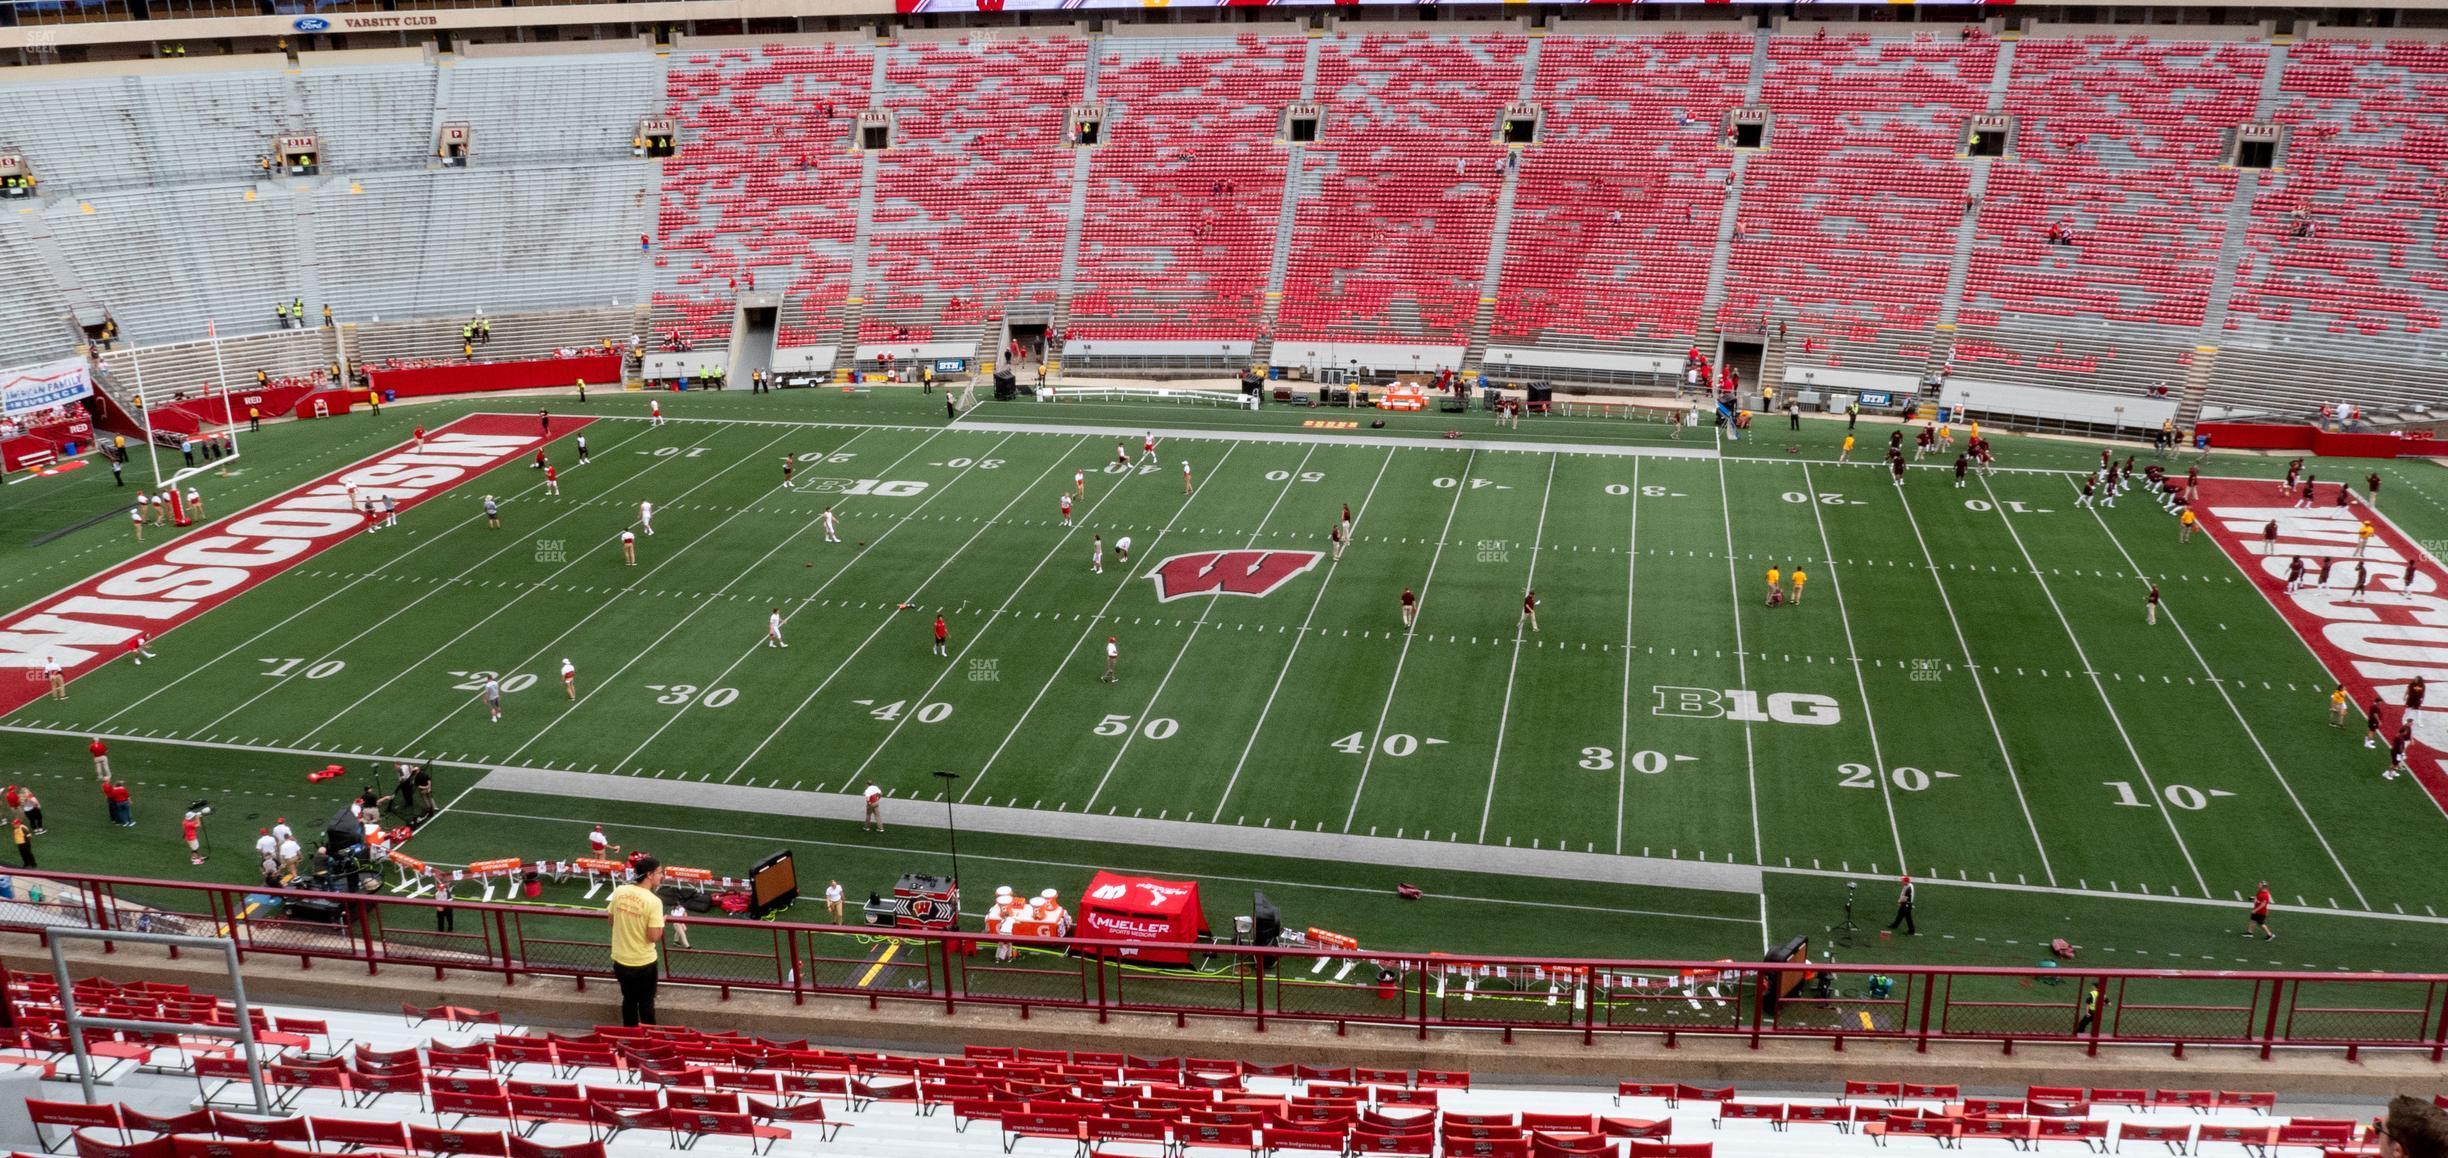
[(474, 681), (2183, 796), (1908, 779), (1647, 763), (1288, 476), (934, 713), (2009, 504), (980, 463), (1648, 491), (682, 451), (1450, 483), (1121, 468), (836, 457), (677, 694), (1826, 498), (1396, 744), (321, 671), (1157, 728)]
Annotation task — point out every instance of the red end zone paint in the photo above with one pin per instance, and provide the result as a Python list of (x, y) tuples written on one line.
[(2398, 630), (89, 624)]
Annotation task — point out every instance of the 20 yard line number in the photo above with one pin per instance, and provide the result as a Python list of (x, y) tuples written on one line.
[(1905, 778), (474, 681)]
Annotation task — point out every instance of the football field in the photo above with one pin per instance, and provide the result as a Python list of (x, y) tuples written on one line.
[(1965, 689)]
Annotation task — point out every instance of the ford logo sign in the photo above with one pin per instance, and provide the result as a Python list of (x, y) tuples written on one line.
[(312, 24)]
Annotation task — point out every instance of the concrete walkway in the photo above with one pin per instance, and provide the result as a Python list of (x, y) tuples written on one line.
[(1238, 839)]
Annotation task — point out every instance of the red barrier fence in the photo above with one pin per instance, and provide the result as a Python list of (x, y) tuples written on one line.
[(1255, 987), (2311, 439), (602, 368)]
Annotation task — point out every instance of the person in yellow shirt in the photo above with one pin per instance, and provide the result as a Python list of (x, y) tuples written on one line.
[(1776, 589), (1946, 436), (1845, 455), (2184, 525), (2337, 707), (637, 934), (1799, 578), (2363, 538)]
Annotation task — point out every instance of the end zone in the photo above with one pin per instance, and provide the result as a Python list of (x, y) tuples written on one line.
[(2373, 645), (86, 624)]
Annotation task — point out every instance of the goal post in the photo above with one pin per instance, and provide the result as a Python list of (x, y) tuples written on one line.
[(212, 411)]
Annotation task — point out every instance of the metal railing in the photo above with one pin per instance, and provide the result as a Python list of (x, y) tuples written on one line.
[(1413, 991)]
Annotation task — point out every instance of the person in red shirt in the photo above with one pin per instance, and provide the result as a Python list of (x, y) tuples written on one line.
[(552, 479), (942, 637), (2259, 923), (192, 831), (101, 757), (1410, 608), (137, 651), (419, 438), (122, 813)]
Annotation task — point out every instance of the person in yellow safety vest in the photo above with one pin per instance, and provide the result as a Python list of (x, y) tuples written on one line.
[(281, 310), (582, 389), (297, 309)]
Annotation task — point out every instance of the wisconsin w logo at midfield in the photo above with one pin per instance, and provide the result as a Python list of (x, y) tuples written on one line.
[(1252, 573)]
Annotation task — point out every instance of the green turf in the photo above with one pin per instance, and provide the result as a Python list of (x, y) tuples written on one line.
[(1952, 633)]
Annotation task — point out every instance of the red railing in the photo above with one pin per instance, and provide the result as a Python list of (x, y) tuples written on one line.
[(2176, 1009)]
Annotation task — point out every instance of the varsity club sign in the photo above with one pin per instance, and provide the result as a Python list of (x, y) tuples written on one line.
[(1252, 573)]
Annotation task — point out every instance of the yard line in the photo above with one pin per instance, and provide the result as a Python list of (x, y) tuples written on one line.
[(2090, 669), (1061, 542), (683, 621), (344, 589), (1291, 479), (1971, 665), (1623, 741), (2221, 685), (1504, 716), (881, 624), (524, 593), (1844, 615), (1286, 669), (979, 777), (1742, 665), (1376, 736)]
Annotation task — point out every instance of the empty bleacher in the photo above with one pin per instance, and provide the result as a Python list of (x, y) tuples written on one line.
[(968, 222), (524, 109), (1615, 214), (451, 1080), (1184, 194), (2368, 139), (1396, 201), (1848, 220), (1849, 230), (2121, 138), (763, 192)]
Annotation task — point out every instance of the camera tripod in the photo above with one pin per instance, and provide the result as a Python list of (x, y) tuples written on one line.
[(1843, 931)]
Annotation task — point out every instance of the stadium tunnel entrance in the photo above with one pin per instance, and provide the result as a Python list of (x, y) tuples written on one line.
[(753, 327)]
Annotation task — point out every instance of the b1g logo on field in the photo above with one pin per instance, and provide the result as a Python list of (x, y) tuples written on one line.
[(1251, 573), (1736, 704)]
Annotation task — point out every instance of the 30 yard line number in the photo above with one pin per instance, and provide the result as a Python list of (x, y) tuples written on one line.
[(677, 694), (1647, 491), (1647, 763)]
